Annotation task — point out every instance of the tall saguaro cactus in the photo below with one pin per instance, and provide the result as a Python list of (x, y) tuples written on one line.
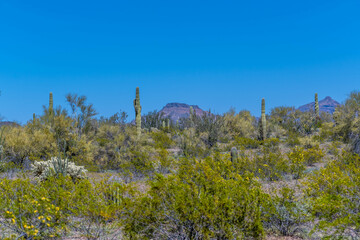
[(51, 103), (317, 109), (191, 116), (263, 121), (234, 154), (137, 107)]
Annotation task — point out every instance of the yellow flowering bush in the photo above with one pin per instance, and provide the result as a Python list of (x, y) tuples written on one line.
[(334, 195), (313, 155), (297, 162), (28, 211), (204, 199)]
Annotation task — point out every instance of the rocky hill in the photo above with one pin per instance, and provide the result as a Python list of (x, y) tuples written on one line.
[(179, 110), (7, 123), (326, 105)]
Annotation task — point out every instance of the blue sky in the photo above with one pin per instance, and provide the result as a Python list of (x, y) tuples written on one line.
[(216, 54)]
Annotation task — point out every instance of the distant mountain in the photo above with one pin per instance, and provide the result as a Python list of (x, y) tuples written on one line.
[(175, 111), (326, 105), (7, 123)]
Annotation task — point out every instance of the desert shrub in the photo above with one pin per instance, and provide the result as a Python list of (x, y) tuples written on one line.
[(271, 165), (334, 195), (239, 125), (109, 140), (293, 139), (21, 144), (267, 164), (327, 131), (271, 144), (297, 162), (285, 214), (56, 166), (38, 141), (247, 143), (204, 199), (136, 162), (347, 121), (55, 208), (313, 155), (5, 166), (276, 131), (162, 140), (190, 143), (98, 212), (152, 119), (284, 117), (29, 212), (293, 120), (309, 141), (165, 162)]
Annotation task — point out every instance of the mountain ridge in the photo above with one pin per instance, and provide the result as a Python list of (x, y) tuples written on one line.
[(325, 105), (175, 110)]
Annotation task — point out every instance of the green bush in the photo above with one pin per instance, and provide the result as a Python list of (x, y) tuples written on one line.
[(205, 199), (162, 140), (247, 143), (297, 162), (285, 214), (29, 211), (55, 208), (271, 165), (334, 196), (313, 155)]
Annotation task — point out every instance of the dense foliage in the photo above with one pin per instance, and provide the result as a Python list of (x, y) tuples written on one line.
[(67, 174)]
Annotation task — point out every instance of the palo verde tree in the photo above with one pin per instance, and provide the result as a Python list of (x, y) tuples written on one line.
[(81, 112)]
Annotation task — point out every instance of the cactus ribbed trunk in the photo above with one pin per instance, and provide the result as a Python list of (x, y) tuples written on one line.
[(317, 109), (137, 107), (191, 116), (51, 103), (263, 121), (234, 154)]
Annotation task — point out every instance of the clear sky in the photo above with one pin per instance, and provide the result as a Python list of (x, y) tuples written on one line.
[(216, 54)]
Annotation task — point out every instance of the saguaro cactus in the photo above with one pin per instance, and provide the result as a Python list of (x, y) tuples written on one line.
[(51, 103), (263, 121), (191, 116), (137, 112), (317, 109), (234, 154)]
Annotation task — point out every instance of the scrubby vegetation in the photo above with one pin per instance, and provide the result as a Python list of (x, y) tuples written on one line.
[(70, 175)]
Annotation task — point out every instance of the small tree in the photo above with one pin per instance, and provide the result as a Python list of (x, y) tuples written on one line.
[(82, 112)]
